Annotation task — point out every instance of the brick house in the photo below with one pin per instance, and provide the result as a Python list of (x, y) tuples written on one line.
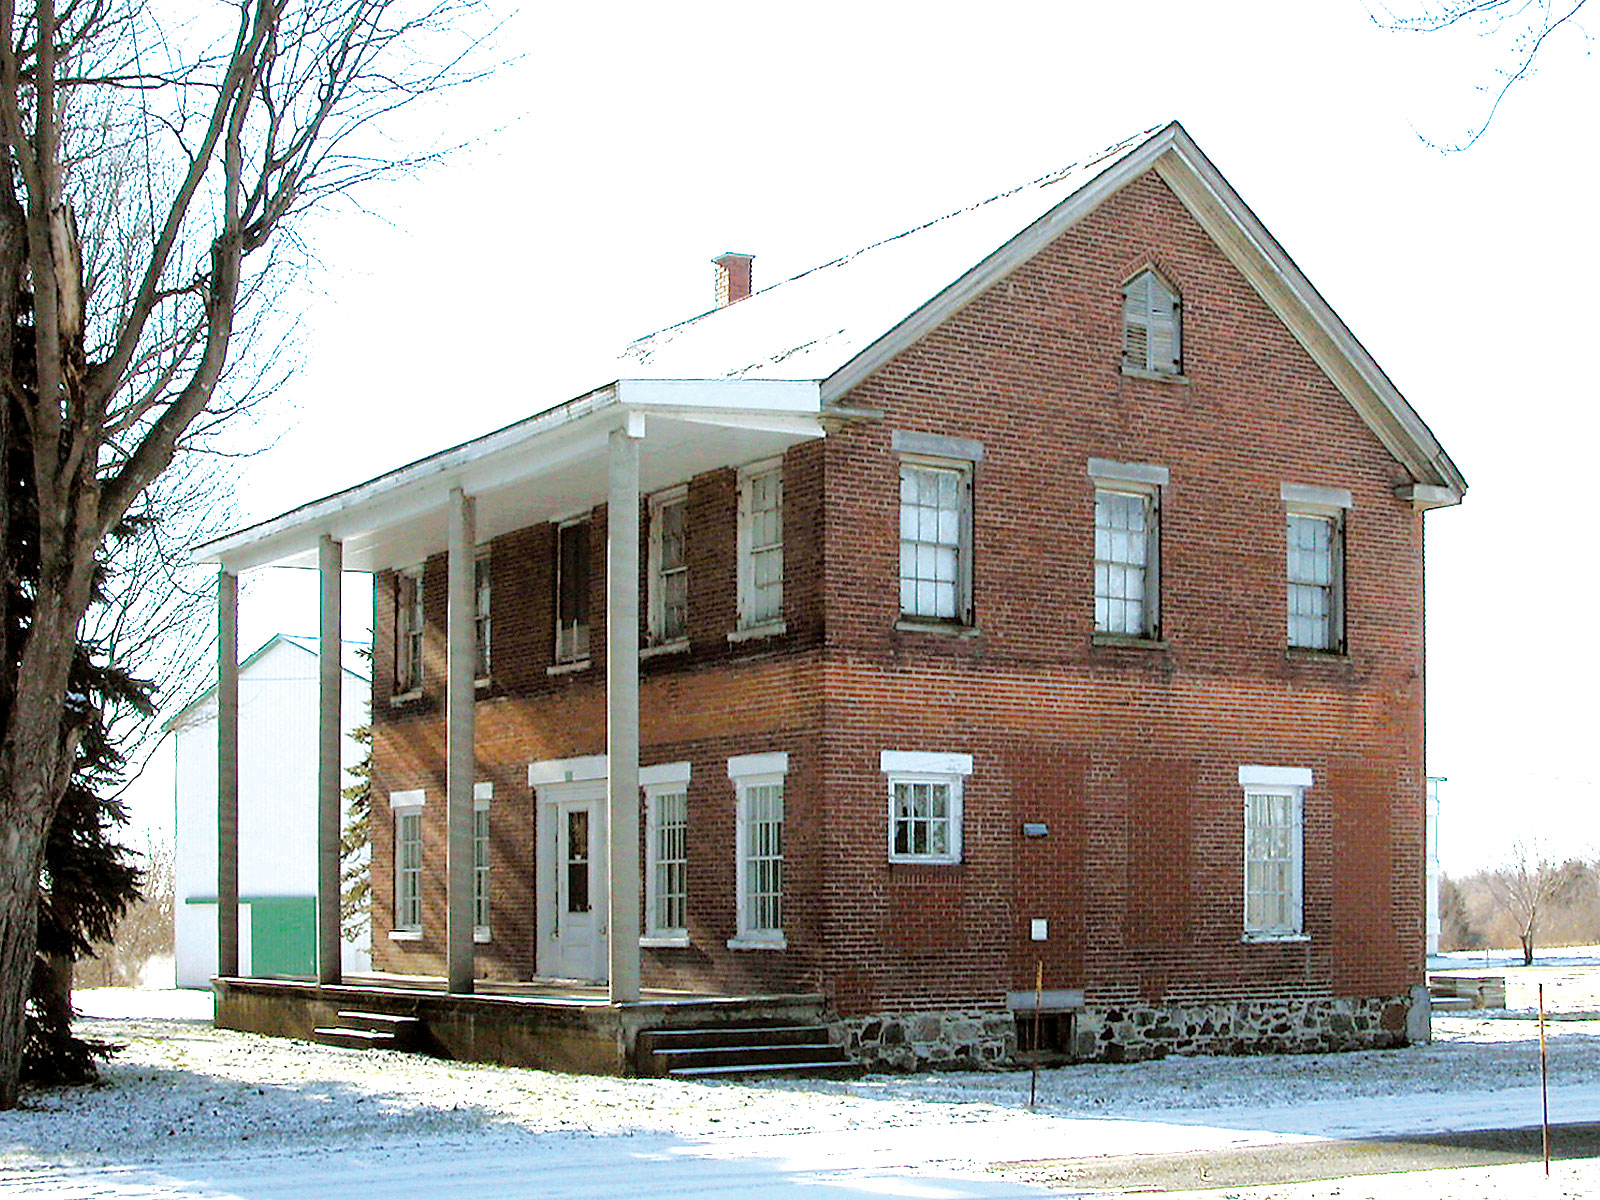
[(1027, 606)]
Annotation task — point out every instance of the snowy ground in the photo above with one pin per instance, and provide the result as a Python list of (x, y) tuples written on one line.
[(191, 1111)]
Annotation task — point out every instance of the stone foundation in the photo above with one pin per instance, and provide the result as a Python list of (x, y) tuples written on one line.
[(985, 1039)]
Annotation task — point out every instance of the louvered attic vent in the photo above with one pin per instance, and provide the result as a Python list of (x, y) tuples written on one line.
[(1152, 327)]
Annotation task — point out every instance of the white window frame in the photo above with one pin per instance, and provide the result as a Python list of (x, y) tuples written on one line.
[(911, 767), (1290, 784), (1305, 501), (1159, 303), (482, 631), (660, 501), (572, 648), (406, 805), (410, 627), (753, 614), (482, 858), (962, 471), (659, 783), (1147, 482), (749, 772)]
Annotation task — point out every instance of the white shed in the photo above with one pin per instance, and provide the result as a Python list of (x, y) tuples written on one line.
[(277, 814)]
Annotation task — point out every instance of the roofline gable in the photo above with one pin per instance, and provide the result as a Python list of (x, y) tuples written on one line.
[(1252, 250)]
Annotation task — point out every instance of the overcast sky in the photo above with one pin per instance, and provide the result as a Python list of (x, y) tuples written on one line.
[(625, 145)]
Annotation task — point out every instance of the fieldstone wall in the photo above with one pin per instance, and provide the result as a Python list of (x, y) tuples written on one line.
[(987, 1040)]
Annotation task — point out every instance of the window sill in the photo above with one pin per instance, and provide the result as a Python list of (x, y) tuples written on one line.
[(675, 941), (1306, 654), (483, 683), (677, 646), (1269, 939), (1127, 641), (759, 941), (1153, 376), (402, 698), (910, 860), (480, 935), (568, 668), (753, 632), (405, 935), (947, 628)]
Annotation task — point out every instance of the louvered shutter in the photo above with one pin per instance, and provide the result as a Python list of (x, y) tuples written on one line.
[(1136, 323), (1165, 328)]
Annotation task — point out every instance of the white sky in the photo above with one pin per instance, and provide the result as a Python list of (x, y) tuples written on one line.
[(628, 144)]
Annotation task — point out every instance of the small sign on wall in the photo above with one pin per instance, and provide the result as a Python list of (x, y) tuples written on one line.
[(1041, 929)]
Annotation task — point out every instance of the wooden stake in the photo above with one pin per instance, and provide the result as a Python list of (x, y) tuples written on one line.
[(1544, 1084), (1038, 1002)]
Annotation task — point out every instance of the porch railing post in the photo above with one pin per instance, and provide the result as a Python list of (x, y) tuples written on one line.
[(622, 708)]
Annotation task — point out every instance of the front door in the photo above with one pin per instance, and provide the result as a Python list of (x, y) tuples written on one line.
[(572, 890)]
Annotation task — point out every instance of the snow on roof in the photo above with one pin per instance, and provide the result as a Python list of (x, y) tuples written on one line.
[(810, 326)]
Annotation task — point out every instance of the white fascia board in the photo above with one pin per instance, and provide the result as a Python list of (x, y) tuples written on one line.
[(732, 395), (1241, 236), (1013, 254)]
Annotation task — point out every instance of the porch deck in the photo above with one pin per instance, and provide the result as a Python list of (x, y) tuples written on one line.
[(548, 1024)]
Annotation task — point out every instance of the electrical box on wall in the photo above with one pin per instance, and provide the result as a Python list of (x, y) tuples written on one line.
[(1041, 930), (1033, 829)]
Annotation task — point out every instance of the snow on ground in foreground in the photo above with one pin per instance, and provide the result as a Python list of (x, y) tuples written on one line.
[(189, 1110)]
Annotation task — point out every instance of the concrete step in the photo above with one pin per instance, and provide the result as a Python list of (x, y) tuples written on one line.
[(748, 1055), (723, 1035), (753, 1049), (407, 1030), (832, 1069), (355, 1039)]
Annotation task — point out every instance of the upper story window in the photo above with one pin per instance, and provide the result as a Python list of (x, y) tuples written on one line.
[(1314, 531), (481, 578), (925, 801), (1127, 548), (761, 544), (1152, 326), (936, 540), (669, 566), (408, 628), (1274, 851), (572, 590)]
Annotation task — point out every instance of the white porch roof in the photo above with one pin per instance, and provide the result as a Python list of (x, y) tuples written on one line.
[(542, 468)]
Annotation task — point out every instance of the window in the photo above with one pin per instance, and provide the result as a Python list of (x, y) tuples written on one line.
[(1127, 548), (407, 811), (572, 591), (482, 794), (761, 544), (936, 541), (925, 799), (669, 566), (758, 784), (1152, 326), (666, 791), (409, 624), (481, 578), (1315, 538), (1274, 824)]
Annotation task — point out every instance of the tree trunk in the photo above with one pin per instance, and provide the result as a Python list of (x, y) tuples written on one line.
[(1527, 949), (19, 933)]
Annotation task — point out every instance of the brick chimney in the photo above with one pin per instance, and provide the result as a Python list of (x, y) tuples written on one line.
[(733, 277)]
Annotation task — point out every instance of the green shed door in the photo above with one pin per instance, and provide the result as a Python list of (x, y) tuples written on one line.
[(283, 935)]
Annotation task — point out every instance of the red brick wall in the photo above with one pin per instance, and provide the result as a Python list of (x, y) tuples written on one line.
[(1130, 756)]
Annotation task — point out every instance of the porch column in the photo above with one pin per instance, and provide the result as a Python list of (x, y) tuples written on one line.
[(227, 773), (461, 668), (330, 728), (622, 707)]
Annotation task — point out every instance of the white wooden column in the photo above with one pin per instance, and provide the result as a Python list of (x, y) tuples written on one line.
[(461, 669), (622, 707), (330, 730), (227, 773)]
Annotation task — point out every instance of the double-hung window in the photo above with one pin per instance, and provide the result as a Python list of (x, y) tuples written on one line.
[(666, 900), (572, 591), (406, 809), (482, 794), (1274, 851), (1152, 326), (925, 804), (758, 788), (481, 580), (669, 566), (408, 630), (1314, 530), (1127, 548), (760, 545)]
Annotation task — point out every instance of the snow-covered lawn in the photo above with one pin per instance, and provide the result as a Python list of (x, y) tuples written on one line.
[(189, 1110)]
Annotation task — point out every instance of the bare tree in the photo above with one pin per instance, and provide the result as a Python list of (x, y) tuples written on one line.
[(1518, 30), (1525, 886), (158, 161)]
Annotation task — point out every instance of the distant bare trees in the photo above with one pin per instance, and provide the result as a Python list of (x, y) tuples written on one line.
[(1532, 899)]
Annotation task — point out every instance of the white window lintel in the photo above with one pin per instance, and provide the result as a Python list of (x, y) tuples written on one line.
[(414, 798), (933, 445), (1109, 471), (663, 774), (1305, 495), (567, 770), (919, 762), (1278, 777), (741, 766)]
